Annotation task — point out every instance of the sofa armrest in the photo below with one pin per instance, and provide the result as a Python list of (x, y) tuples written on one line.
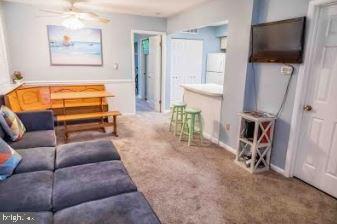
[(37, 120)]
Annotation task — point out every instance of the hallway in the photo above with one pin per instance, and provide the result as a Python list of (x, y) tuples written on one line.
[(143, 106)]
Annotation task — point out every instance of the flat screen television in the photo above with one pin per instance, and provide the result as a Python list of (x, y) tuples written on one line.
[(278, 42)]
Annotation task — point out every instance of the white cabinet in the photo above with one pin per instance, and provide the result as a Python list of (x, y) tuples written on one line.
[(186, 65)]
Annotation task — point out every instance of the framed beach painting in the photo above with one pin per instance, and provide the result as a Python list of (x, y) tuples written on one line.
[(75, 47)]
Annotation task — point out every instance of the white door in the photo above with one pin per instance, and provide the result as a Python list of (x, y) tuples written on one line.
[(193, 62), (186, 65), (177, 70), (154, 73), (316, 160)]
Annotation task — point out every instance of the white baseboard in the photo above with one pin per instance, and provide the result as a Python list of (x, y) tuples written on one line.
[(227, 147), (72, 82), (272, 166), (278, 170), (220, 143), (211, 138), (128, 114)]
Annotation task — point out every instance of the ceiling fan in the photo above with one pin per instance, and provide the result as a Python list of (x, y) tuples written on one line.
[(74, 18)]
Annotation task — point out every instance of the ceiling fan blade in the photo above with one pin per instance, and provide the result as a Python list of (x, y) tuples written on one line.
[(73, 11), (103, 20), (52, 11), (91, 16), (47, 16)]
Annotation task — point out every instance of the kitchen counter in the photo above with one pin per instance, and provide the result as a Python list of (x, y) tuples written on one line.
[(208, 99), (208, 89)]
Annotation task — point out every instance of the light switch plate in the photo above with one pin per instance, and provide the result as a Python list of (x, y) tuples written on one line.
[(116, 66), (286, 70), (227, 127)]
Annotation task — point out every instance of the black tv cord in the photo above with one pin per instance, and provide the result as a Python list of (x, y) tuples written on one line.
[(286, 93)]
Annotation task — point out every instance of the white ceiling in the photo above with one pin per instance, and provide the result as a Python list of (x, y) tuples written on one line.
[(158, 8)]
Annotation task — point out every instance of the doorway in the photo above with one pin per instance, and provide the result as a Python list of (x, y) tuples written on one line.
[(148, 69), (316, 161), (197, 58)]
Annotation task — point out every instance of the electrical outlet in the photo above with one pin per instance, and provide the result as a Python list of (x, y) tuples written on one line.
[(287, 70), (115, 66), (227, 127)]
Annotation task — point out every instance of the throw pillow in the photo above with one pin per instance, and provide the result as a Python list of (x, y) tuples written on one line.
[(13, 126), (9, 159)]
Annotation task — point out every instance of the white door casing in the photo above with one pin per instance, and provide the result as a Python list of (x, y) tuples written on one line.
[(186, 65), (316, 159), (4, 70), (154, 72)]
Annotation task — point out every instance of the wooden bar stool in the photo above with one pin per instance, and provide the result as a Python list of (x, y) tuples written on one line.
[(191, 118), (177, 116)]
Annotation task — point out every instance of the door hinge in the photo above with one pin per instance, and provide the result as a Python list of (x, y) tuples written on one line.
[(160, 101)]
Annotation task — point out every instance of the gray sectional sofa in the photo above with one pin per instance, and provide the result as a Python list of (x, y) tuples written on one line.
[(73, 183)]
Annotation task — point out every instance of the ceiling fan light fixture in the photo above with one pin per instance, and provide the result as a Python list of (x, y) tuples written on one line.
[(73, 23)]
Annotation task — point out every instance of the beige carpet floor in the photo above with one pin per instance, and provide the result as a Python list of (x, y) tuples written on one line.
[(201, 184)]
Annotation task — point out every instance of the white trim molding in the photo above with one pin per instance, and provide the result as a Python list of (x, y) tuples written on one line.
[(210, 138), (74, 82), (278, 170), (302, 83), (227, 147)]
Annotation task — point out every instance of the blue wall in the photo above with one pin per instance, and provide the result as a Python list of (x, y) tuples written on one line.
[(211, 44), (270, 84)]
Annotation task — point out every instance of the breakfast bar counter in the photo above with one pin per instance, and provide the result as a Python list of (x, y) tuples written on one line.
[(207, 98)]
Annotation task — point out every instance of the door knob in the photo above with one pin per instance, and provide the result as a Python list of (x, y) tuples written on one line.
[(307, 108)]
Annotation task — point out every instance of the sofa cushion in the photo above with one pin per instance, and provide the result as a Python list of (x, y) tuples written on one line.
[(2, 133), (36, 159), (78, 184), (27, 192), (34, 139), (9, 160), (129, 208), (11, 123), (85, 152)]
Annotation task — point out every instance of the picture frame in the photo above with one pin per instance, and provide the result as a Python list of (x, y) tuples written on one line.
[(82, 47)]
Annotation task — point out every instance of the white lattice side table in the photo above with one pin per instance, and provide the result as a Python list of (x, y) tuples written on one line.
[(255, 141)]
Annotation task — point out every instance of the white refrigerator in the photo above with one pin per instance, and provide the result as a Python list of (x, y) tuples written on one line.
[(215, 69)]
